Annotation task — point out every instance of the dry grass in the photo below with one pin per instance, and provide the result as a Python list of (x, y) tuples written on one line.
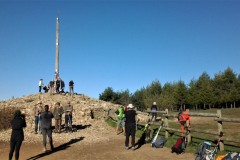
[(6, 116)]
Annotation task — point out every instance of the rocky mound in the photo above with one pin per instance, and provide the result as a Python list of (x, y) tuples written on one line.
[(88, 117)]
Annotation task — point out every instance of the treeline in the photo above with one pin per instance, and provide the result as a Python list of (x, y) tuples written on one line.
[(223, 91)]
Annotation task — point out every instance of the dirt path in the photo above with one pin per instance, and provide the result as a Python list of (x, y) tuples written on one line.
[(110, 150)]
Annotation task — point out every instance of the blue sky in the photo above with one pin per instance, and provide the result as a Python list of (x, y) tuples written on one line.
[(122, 44)]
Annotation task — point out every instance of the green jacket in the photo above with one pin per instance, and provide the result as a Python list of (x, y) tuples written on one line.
[(121, 113)]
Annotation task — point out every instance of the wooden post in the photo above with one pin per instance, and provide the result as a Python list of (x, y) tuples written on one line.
[(166, 124), (187, 130), (188, 133), (220, 128)]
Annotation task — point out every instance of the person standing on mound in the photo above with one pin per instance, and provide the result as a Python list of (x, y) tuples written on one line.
[(130, 126), (57, 112), (37, 109), (40, 85), (46, 124), (68, 110), (17, 136)]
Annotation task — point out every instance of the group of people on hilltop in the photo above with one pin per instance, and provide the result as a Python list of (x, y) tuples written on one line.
[(57, 112), (43, 115), (56, 86)]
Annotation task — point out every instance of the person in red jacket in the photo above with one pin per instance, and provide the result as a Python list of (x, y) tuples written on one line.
[(183, 117)]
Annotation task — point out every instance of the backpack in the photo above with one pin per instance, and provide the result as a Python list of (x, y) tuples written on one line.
[(179, 146), (202, 150), (232, 156), (160, 142)]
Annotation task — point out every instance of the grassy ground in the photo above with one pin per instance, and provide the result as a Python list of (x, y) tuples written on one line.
[(230, 131)]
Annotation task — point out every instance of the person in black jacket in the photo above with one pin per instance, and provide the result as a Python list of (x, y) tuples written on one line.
[(71, 87), (130, 126), (17, 136), (46, 126)]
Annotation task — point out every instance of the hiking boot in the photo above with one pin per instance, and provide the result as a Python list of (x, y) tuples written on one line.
[(126, 147), (35, 132), (52, 148), (44, 149), (134, 148)]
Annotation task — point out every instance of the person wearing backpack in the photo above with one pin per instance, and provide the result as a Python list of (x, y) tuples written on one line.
[(120, 119), (130, 126), (183, 117)]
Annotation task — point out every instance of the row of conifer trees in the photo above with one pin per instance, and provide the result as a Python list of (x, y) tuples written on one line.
[(221, 91)]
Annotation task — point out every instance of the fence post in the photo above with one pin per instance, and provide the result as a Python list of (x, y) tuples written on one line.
[(188, 132), (166, 123), (220, 128)]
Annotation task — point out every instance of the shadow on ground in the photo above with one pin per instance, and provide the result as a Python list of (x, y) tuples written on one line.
[(59, 148)]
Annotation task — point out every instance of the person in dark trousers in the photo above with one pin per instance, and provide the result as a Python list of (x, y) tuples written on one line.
[(40, 85), (46, 126), (130, 126), (62, 86), (17, 136), (71, 87), (37, 109), (154, 111), (68, 110), (58, 83), (57, 112)]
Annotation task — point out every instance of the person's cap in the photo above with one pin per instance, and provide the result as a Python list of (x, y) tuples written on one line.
[(130, 106), (17, 113), (154, 103)]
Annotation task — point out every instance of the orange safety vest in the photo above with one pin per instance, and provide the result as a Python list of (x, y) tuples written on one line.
[(184, 116)]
